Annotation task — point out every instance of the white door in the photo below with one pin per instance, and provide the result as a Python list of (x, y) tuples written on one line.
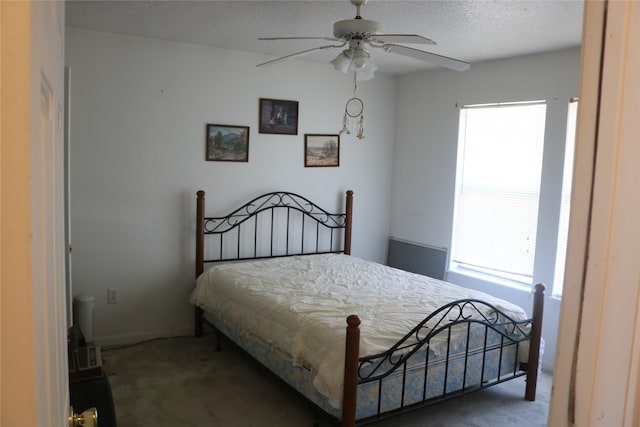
[(47, 195), (34, 365)]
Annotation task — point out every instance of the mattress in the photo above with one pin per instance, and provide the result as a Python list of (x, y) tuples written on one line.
[(297, 306)]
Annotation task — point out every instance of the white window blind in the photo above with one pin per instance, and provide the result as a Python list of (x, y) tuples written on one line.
[(565, 204), (500, 149)]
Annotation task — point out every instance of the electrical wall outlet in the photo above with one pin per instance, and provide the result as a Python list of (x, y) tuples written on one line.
[(112, 295)]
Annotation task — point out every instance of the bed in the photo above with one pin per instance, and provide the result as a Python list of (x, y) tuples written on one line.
[(360, 340)]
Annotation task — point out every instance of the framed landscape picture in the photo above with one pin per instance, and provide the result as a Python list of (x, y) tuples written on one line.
[(278, 116), (321, 150), (227, 143)]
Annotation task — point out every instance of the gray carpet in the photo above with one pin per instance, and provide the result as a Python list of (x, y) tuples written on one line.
[(184, 382)]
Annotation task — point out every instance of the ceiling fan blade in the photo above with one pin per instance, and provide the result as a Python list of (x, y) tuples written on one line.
[(331, 39), (440, 60), (304, 52), (401, 38)]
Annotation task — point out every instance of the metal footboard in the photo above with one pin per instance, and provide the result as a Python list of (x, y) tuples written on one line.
[(462, 333)]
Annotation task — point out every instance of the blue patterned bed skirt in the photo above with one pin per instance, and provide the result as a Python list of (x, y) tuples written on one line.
[(422, 381)]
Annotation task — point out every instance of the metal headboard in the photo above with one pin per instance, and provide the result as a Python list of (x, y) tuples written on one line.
[(275, 224)]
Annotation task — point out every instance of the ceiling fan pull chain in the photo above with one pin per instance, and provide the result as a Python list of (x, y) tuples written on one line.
[(360, 124), (355, 84)]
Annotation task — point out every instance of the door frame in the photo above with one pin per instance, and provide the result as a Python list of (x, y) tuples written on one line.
[(596, 375)]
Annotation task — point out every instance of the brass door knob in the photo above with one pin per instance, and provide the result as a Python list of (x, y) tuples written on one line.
[(88, 418)]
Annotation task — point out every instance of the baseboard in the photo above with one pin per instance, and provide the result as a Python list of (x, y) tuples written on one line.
[(128, 339)]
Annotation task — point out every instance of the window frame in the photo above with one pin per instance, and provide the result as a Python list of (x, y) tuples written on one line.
[(549, 201), (565, 198)]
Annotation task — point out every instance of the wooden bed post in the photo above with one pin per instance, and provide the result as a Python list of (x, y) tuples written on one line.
[(534, 344), (199, 256), (347, 228), (350, 385)]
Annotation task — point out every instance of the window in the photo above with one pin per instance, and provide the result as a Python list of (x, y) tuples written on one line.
[(500, 150), (563, 228)]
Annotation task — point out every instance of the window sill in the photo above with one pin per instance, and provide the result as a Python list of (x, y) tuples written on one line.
[(492, 280), (465, 275)]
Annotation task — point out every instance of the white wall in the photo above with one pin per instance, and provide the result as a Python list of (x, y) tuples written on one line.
[(425, 154), (139, 109), (138, 113)]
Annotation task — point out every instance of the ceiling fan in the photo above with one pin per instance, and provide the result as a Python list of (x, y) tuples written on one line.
[(358, 36)]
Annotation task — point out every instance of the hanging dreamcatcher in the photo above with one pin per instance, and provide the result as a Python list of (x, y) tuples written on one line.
[(353, 120)]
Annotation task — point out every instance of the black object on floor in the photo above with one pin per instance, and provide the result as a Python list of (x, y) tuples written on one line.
[(95, 392)]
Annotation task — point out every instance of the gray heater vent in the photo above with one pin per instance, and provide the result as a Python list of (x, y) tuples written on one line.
[(417, 258)]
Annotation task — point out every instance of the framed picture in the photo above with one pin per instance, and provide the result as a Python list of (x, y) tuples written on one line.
[(278, 116), (227, 143), (321, 150)]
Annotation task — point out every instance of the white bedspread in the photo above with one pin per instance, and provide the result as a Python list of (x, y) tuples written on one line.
[(299, 305)]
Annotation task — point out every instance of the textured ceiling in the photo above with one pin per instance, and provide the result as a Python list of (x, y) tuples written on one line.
[(469, 30)]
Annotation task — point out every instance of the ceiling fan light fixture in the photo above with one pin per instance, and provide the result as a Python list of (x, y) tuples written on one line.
[(366, 74), (356, 60), (361, 60), (342, 62)]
